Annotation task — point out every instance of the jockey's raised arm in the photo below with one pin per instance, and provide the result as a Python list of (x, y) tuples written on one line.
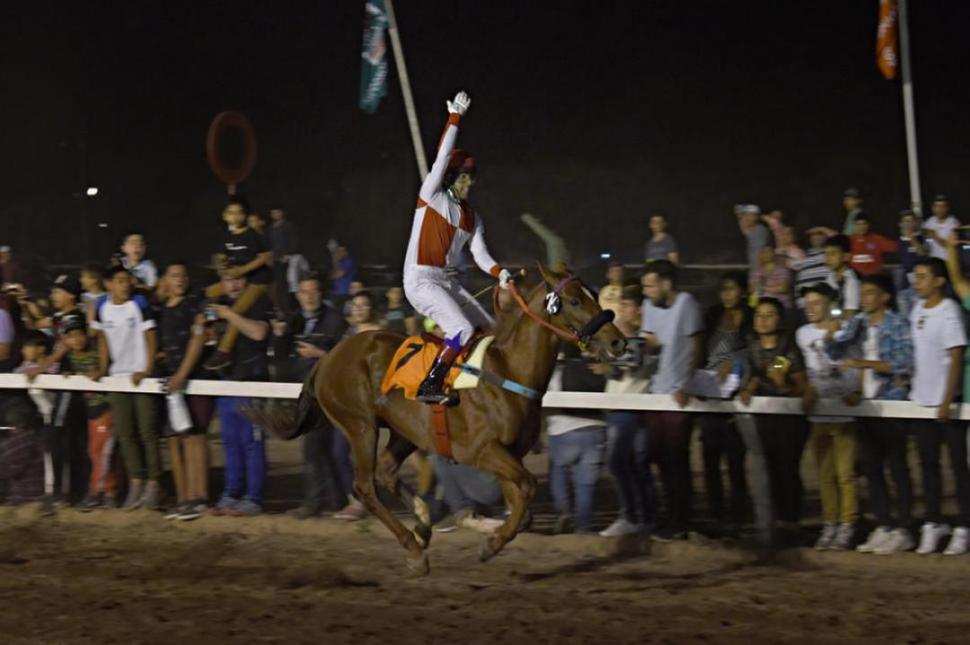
[(433, 182), (480, 252)]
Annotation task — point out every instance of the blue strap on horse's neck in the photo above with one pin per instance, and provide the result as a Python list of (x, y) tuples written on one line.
[(504, 383)]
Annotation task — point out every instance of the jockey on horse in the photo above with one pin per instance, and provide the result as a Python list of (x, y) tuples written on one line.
[(443, 223), (497, 422)]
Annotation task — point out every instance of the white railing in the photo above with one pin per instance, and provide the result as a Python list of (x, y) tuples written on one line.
[(653, 402)]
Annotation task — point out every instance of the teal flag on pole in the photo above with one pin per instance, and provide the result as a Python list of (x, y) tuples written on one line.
[(373, 68)]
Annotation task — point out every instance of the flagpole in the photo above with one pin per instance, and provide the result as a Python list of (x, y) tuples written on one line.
[(909, 112), (402, 75)]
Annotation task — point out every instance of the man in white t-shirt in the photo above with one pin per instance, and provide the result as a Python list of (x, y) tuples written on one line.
[(833, 438), (671, 323), (127, 345), (939, 337), (939, 227)]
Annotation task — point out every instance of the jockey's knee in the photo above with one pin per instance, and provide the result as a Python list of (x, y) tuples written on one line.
[(466, 333), (463, 334)]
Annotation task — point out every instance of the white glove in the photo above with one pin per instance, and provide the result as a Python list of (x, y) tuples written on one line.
[(503, 278), (460, 104)]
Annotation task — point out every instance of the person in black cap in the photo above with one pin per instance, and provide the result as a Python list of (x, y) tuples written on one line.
[(69, 423), (82, 358), (65, 294), (852, 203)]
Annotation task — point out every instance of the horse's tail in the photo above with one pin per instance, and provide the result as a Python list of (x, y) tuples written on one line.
[(282, 420)]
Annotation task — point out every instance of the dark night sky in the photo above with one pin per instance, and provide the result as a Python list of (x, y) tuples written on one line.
[(589, 114)]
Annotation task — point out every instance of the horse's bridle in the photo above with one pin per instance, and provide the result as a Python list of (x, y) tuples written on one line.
[(553, 306)]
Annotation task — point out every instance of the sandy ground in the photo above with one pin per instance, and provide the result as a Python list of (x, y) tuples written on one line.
[(114, 577)]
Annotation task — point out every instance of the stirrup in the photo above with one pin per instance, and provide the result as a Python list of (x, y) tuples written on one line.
[(434, 398), (434, 395), (449, 399)]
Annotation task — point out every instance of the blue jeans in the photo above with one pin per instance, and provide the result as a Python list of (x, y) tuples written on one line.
[(465, 487), (629, 467), (245, 451), (580, 451)]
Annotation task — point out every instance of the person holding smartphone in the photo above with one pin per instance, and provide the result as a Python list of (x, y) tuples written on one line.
[(298, 343)]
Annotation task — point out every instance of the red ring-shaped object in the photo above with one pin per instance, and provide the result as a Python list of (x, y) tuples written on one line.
[(219, 125)]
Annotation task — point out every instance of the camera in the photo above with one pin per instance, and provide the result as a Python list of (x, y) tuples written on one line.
[(633, 356), (312, 339)]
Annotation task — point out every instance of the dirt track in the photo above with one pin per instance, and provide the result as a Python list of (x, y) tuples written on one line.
[(134, 578)]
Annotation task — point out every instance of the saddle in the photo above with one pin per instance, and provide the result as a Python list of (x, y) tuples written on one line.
[(410, 365), (413, 360)]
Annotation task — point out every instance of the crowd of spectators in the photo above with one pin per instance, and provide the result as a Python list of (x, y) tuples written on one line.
[(266, 317), (828, 321)]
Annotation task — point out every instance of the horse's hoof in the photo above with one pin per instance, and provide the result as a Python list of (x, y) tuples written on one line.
[(419, 566), (422, 533), (490, 546)]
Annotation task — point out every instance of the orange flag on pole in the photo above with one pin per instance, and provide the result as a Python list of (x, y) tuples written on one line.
[(886, 57)]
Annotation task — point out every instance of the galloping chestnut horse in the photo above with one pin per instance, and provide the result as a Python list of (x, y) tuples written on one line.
[(491, 429)]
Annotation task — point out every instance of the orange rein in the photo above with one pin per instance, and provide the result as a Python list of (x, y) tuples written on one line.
[(565, 335)]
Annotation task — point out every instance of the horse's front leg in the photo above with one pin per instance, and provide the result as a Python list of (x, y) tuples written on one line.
[(518, 487)]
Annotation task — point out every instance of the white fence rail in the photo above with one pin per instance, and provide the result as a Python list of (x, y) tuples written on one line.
[(654, 402)]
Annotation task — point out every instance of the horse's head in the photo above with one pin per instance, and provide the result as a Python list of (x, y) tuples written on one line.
[(573, 309)]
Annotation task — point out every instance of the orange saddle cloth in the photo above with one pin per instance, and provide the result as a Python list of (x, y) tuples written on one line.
[(411, 363)]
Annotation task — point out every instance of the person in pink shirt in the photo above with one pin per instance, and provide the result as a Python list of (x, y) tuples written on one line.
[(787, 246), (772, 278)]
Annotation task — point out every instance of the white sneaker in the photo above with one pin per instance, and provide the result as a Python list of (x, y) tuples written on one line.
[(621, 526), (825, 538), (959, 542), (875, 540), (930, 536), (898, 541), (352, 512), (479, 523), (843, 537)]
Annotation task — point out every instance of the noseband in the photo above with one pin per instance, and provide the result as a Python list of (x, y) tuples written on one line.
[(554, 306)]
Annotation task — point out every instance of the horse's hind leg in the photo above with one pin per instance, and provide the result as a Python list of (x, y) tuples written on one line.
[(518, 487), (388, 465), (363, 444)]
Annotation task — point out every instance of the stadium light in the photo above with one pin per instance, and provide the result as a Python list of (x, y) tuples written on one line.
[(92, 191)]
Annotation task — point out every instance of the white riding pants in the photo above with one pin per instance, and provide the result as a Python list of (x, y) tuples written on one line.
[(435, 295)]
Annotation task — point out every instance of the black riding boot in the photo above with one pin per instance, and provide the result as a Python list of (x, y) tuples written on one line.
[(430, 390)]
